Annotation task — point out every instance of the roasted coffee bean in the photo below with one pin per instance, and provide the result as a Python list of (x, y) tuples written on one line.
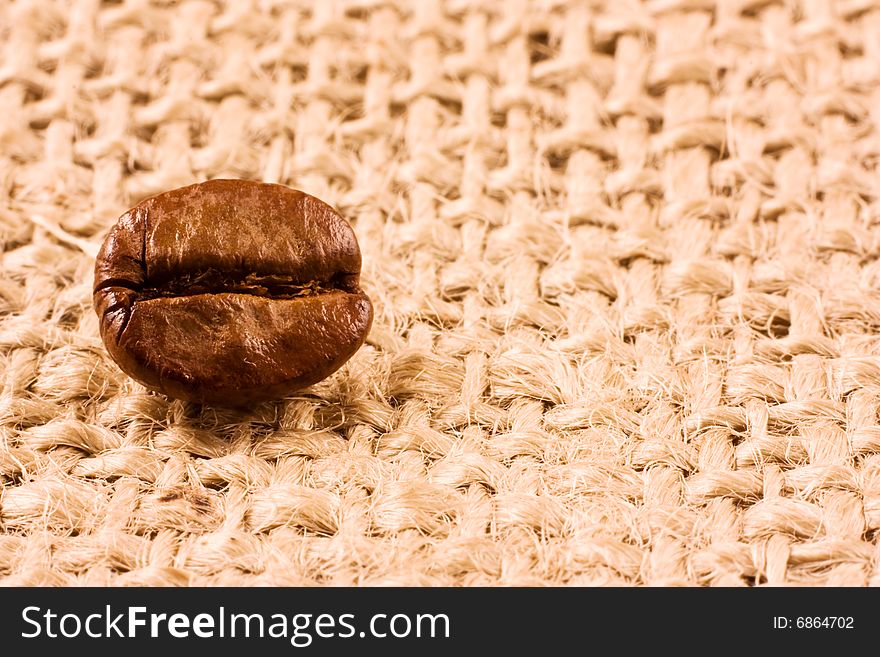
[(230, 292)]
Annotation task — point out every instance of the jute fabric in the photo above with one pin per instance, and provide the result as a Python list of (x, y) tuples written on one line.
[(623, 257)]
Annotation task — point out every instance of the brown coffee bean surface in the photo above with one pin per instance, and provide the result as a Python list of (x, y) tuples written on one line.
[(230, 292)]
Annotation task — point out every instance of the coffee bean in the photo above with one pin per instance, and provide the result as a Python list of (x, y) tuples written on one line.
[(230, 292)]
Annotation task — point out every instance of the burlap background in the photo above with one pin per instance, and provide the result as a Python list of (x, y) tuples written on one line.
[(624, 262)]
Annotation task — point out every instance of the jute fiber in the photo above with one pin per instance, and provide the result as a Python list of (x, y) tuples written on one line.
[(624, 263)]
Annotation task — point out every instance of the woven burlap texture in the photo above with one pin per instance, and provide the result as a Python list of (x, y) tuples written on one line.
[(623, 258)]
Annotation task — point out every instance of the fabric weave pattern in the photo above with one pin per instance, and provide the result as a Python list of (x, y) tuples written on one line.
[(623, 257)]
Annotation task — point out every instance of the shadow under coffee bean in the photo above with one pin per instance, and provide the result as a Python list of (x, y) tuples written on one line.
[(230, 292)]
